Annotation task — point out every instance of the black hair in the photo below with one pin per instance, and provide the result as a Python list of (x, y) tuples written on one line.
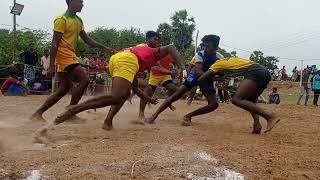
[(151, 34), (215, 40), (68, 1)]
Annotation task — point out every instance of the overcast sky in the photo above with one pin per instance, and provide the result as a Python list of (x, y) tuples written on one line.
[(282, 28)]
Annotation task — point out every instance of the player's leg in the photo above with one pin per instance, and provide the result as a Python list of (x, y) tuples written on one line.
[(174, 97), (63, 89), (247, 89), (211, 106), (78, 75)]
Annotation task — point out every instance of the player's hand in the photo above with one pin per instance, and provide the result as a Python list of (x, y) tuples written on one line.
[(179, 73), (154, 101), (51, 71), (174, 73), (110, 51)]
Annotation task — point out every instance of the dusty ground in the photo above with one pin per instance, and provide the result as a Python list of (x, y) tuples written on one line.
[(165, 150)]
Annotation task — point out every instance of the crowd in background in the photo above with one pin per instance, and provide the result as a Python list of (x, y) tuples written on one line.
[(34, 78)]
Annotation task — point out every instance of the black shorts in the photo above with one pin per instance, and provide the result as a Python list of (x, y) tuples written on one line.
[(71, 67), (163, 84), (259, 74)]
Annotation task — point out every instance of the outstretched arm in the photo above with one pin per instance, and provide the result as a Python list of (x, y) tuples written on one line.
[(92, 43), (171, 49), (162, 70), (205, 77), (141, 94)]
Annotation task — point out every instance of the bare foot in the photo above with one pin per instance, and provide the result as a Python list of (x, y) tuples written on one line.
[(37, 117), (256, 128), (150, 120), (172, 108), (107, 127), (271, 123), (139, 122), (186, 121), (63, 117), (77, 120)]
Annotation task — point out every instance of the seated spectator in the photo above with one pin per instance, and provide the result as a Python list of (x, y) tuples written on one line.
[(83, 61), (274, 97), (14, 86), (93, 67), (37, 85), (102, 69)]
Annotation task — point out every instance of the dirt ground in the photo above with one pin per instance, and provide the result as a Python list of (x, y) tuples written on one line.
[(218, 146)]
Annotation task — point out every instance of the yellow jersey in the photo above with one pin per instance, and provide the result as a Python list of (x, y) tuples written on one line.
[(70, 26)]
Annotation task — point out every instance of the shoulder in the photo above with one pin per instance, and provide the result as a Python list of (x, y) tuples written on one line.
[(62, 16), (79, 18)]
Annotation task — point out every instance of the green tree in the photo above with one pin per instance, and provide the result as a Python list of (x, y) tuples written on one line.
[(183, 27), (116, 39), (269, 62), (165, 30), (40, 39), (233, 54), (224, 53)]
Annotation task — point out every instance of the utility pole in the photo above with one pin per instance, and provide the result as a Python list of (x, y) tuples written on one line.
[(301, 66), (14, 43)]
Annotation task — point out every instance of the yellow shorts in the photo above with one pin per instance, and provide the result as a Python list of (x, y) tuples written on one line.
[(62, 63), (124, 65), (158, 80)]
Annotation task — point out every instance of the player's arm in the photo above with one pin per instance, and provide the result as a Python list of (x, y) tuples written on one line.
[(161, 69), (171, 49), (205, 77), (198, 67), (92, 43), (57, 36), (190, 67), (141, 94)]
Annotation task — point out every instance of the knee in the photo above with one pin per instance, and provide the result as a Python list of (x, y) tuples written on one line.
[(120, 98), (85, 81), (63, 89)]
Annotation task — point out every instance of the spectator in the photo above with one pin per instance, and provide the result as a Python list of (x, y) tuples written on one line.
[(283, 72), (294, 74), (14, 86), (83, 61), (306, 86), (277, 74), (102, 65), (274, 97), (223, 90), (93, 66), (30, 59), (314, 69), (37, 85), (316, 87), (45, 62)]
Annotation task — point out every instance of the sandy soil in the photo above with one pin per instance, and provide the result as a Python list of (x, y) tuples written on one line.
[(217, 143)]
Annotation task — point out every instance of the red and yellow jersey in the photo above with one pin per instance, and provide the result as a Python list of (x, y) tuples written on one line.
[(147, 56)]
